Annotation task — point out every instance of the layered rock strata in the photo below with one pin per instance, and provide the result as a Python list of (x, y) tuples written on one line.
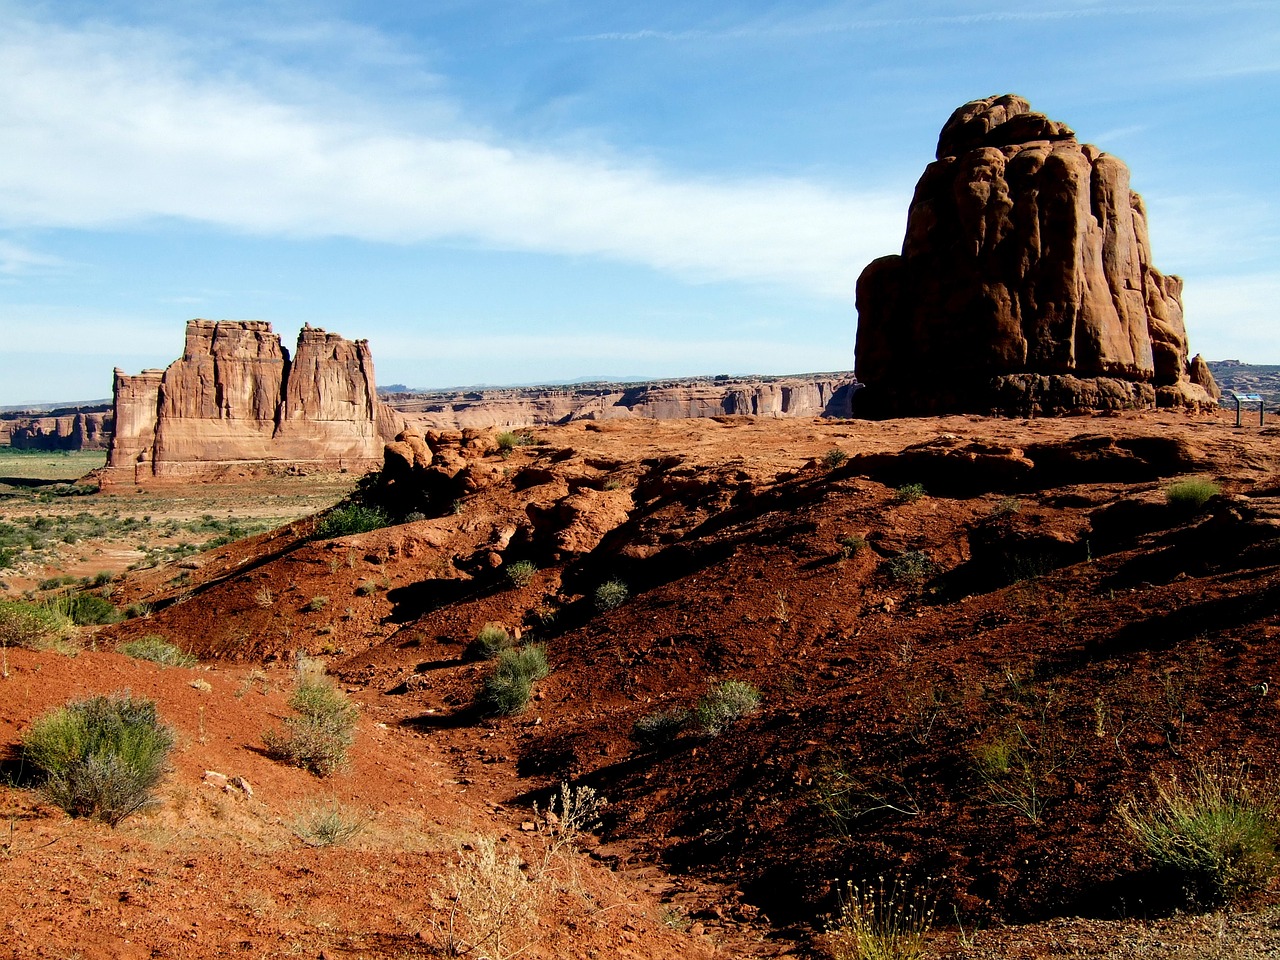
[(1025, 284), (797, 396), (236, 401), (83, 430)]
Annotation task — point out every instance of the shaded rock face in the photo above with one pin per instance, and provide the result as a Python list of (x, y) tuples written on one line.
[(236, 399), (1025, 283)]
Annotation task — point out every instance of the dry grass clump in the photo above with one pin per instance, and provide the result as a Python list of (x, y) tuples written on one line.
[(490, 641), (724, 705), (328, 825), (492, 906), (880, 922), (1191, 495), (1217, 831), (157, 650)]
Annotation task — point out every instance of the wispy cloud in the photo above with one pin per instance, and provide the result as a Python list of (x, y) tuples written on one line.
[(18, 260), (832, 22), (107, 127)]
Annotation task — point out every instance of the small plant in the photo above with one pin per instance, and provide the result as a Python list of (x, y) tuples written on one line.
[(264, 598), (490, 641), (835, 457), (350, 518), (911, 569), (1218, 831), (157, 650), (657, 729), (725, 704), (366, 587), (880, 922), (521, 573), (852, 545), (315, 605), (493, 904), (101, 757), (1191, 495), (509, 685), (571, 813), (318, 738), (35, 627), (328, 825), (508, 440), (908, 493), (611, 594), (1007, 507)]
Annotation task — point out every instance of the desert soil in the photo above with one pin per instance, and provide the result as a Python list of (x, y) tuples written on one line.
[(1040, 599)]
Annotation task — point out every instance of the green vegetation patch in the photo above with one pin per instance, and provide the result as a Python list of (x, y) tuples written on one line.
[(350, 518), (101, 757), (320, 735), (509, 685), (1191, 495), (724, 705), (35, 627), (158, 650)]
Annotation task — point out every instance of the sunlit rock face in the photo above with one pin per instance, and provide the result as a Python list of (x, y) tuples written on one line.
[(1025, 283), (236, 399)]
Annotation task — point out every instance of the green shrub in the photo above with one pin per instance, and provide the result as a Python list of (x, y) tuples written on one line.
[(1217, 831), (521, 573), (725, 704), (490, 641), (318, 738), (157, 650), (1191, 495), (509, 684), (852, 545), (508, 440), (656, 729), (88, 608), (908, 493), (101, 757), (348, 519), (315, 604), (911, 569), (611, 594), (833, 458), (35, 627)]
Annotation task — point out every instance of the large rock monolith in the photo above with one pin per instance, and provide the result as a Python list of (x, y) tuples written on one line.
[(1025, 284), (236, 402)]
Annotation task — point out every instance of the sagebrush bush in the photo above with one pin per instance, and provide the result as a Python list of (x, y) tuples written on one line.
[(611, 594), (490, 641), (1191, 495), (318, 738), (86, 609), (521, 573), (725, 704), (35, 627), (101, 757), (1218, 831), (833, 458), (908, 493), (509, 685), (911, 569), (350, 518), (157, 650), (656, 729)]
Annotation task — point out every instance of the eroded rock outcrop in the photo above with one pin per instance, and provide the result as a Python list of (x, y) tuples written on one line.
[(237, 400), (1025, 283), (81, 430)]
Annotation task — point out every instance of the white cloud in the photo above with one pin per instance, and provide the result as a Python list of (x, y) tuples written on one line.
[(16, 259), (107, 126)]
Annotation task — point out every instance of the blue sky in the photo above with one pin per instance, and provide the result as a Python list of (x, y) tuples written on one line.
[(536, 190)]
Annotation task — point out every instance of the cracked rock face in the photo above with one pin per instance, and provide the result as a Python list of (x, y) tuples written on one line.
[(1025, 283)]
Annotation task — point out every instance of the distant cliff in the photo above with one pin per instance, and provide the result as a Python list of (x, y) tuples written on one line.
[(812, 395), (236, 402), (62, 429)]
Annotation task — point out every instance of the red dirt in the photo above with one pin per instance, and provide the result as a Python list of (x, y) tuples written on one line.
[(1069, 613)]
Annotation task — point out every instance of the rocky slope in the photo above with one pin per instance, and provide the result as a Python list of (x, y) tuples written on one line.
[(1039, 596), (1025, 284), (76, 429)]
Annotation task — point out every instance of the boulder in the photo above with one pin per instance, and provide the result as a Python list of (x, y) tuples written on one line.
[(1025, 284)]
